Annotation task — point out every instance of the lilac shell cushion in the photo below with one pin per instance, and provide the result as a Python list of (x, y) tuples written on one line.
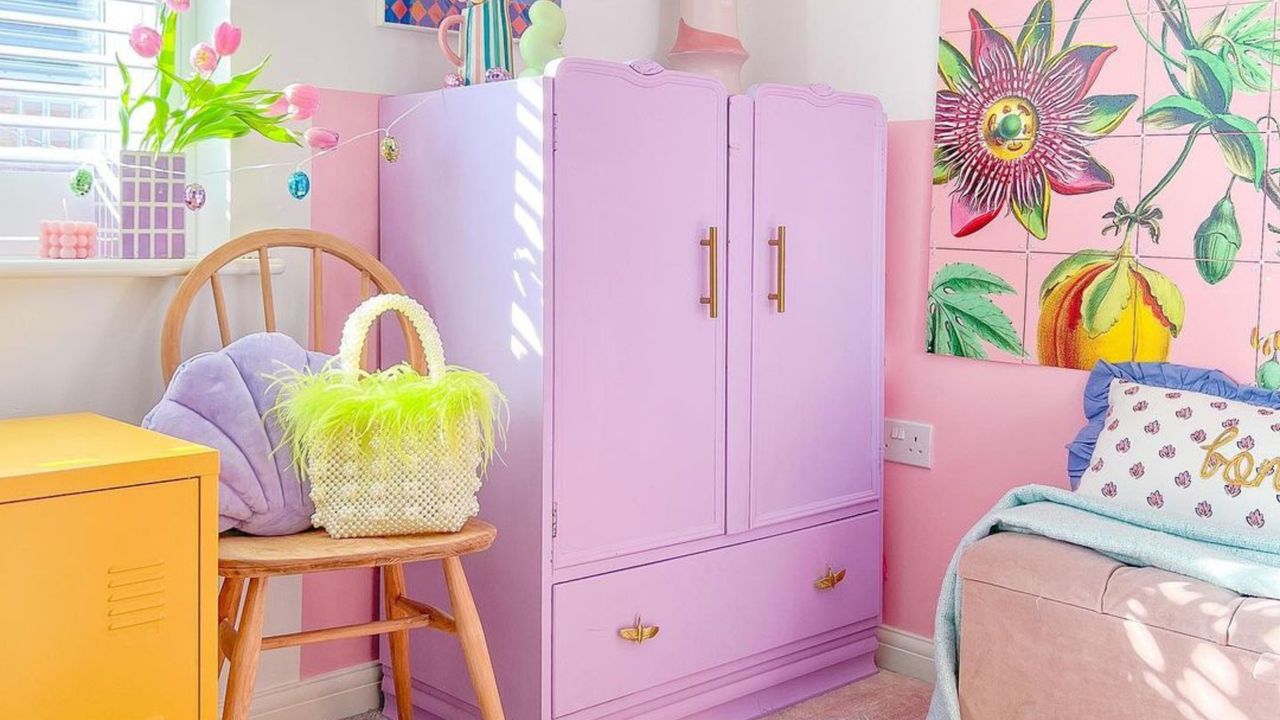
[(1165, 375), (219, 399)]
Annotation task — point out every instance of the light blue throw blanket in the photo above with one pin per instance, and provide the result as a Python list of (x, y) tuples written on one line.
[(1246, 564)]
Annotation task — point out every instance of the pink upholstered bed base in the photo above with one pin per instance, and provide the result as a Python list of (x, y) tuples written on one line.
[(1051, 630)]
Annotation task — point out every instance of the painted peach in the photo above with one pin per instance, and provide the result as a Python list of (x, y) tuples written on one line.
[(1098, 305)]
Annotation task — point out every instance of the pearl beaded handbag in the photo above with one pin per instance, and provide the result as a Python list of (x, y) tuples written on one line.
[(391, 452)]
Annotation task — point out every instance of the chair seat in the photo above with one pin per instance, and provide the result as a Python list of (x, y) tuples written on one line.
[(313, 551)]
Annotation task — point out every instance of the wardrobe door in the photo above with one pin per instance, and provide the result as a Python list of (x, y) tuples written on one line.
[(638, 317), (817, 302)]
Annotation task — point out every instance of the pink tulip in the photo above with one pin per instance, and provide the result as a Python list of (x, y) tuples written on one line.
[(178, 5), (304, 100), (279, 107), (145, 41), (204, 58), (321, 138), (226, 39)]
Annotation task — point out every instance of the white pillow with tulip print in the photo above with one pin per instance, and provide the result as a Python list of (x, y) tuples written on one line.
[(1184, 452)]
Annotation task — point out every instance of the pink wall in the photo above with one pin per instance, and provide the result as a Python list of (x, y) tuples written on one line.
[(996, 426), (344, 202)]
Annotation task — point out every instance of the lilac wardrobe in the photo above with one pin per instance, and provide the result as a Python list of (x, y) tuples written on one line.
[(681, 293)]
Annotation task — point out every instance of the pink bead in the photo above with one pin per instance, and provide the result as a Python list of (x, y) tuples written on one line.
[(82, 252), (92, 250), (82, 241), (67, 253), (83, 228), (66, 227), (67, 240)]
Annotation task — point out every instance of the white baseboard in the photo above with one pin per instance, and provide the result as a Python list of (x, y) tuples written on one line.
[(905, 653), (332, 696)]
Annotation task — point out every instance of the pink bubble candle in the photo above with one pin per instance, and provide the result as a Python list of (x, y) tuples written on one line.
[(68, 240)]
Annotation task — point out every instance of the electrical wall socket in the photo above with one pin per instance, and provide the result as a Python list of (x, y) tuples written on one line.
[(909, 443)]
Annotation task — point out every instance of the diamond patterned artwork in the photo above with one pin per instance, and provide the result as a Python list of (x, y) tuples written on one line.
[(429, 13), (1106, 183)]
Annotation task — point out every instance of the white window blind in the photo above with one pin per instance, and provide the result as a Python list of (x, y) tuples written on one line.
[(59, 100)]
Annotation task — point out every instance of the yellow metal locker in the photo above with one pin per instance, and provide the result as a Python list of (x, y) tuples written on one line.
[(108, 559)]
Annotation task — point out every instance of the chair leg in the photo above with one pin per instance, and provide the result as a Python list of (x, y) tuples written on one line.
[(392, 590), (248, 649), (228, 604), (471, 634)]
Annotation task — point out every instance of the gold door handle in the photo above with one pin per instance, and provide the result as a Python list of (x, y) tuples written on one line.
[(712, 242), (780, 242), (639, 632), (830, 580)]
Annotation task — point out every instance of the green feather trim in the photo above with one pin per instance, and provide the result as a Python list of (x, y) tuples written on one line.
[(395, 410)]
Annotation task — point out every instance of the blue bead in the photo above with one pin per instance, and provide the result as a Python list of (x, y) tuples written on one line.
[(299, 184)]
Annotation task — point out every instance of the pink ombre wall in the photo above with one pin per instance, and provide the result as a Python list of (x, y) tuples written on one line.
[(996, 426), (344, 202)]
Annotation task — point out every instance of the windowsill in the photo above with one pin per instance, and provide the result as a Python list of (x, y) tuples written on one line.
[(27, 267)]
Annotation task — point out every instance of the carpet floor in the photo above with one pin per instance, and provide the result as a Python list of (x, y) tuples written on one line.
[(884, 696)]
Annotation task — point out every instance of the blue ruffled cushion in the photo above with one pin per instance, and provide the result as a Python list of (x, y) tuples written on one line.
[(1165, 375)]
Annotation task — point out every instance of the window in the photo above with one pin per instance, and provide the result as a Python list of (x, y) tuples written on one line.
[(58, 103)]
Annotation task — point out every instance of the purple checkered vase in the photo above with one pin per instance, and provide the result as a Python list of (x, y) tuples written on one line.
[(141, 205)]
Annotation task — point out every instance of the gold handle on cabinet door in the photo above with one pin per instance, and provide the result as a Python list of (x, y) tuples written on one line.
[(780, 242), (712, 242), (639, 632), (830, 580)]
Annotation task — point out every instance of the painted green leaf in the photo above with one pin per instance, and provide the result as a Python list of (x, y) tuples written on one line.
[(1106, 298), (961, 316), (1174, 111), (1166, 294), (1105, 113), (1247, 44), (1242, 148), (1209, 80), (953, 67), (1069, 268), (969, 278)]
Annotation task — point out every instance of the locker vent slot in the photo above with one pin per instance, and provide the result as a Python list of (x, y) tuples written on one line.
[(135, 595)]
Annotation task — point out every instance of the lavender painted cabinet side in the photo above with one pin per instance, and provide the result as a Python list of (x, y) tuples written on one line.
[(816, 351), (639, 410)]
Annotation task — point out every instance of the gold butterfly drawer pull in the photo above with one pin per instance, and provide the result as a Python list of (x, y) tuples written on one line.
[(830, 580), (639, 632)]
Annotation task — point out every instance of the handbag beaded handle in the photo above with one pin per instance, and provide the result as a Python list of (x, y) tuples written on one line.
[(356, 331)]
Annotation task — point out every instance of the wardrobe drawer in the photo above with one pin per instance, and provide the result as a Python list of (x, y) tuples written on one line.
[(708, 609)]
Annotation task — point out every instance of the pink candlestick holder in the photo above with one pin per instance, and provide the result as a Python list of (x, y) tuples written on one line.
[(68, 240)]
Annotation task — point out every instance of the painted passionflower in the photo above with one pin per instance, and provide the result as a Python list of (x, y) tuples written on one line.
[(1015, 122)]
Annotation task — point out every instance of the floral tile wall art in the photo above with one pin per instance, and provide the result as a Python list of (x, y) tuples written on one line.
[(1107, 183)]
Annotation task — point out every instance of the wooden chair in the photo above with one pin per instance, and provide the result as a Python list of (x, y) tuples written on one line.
[(251, 561)]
